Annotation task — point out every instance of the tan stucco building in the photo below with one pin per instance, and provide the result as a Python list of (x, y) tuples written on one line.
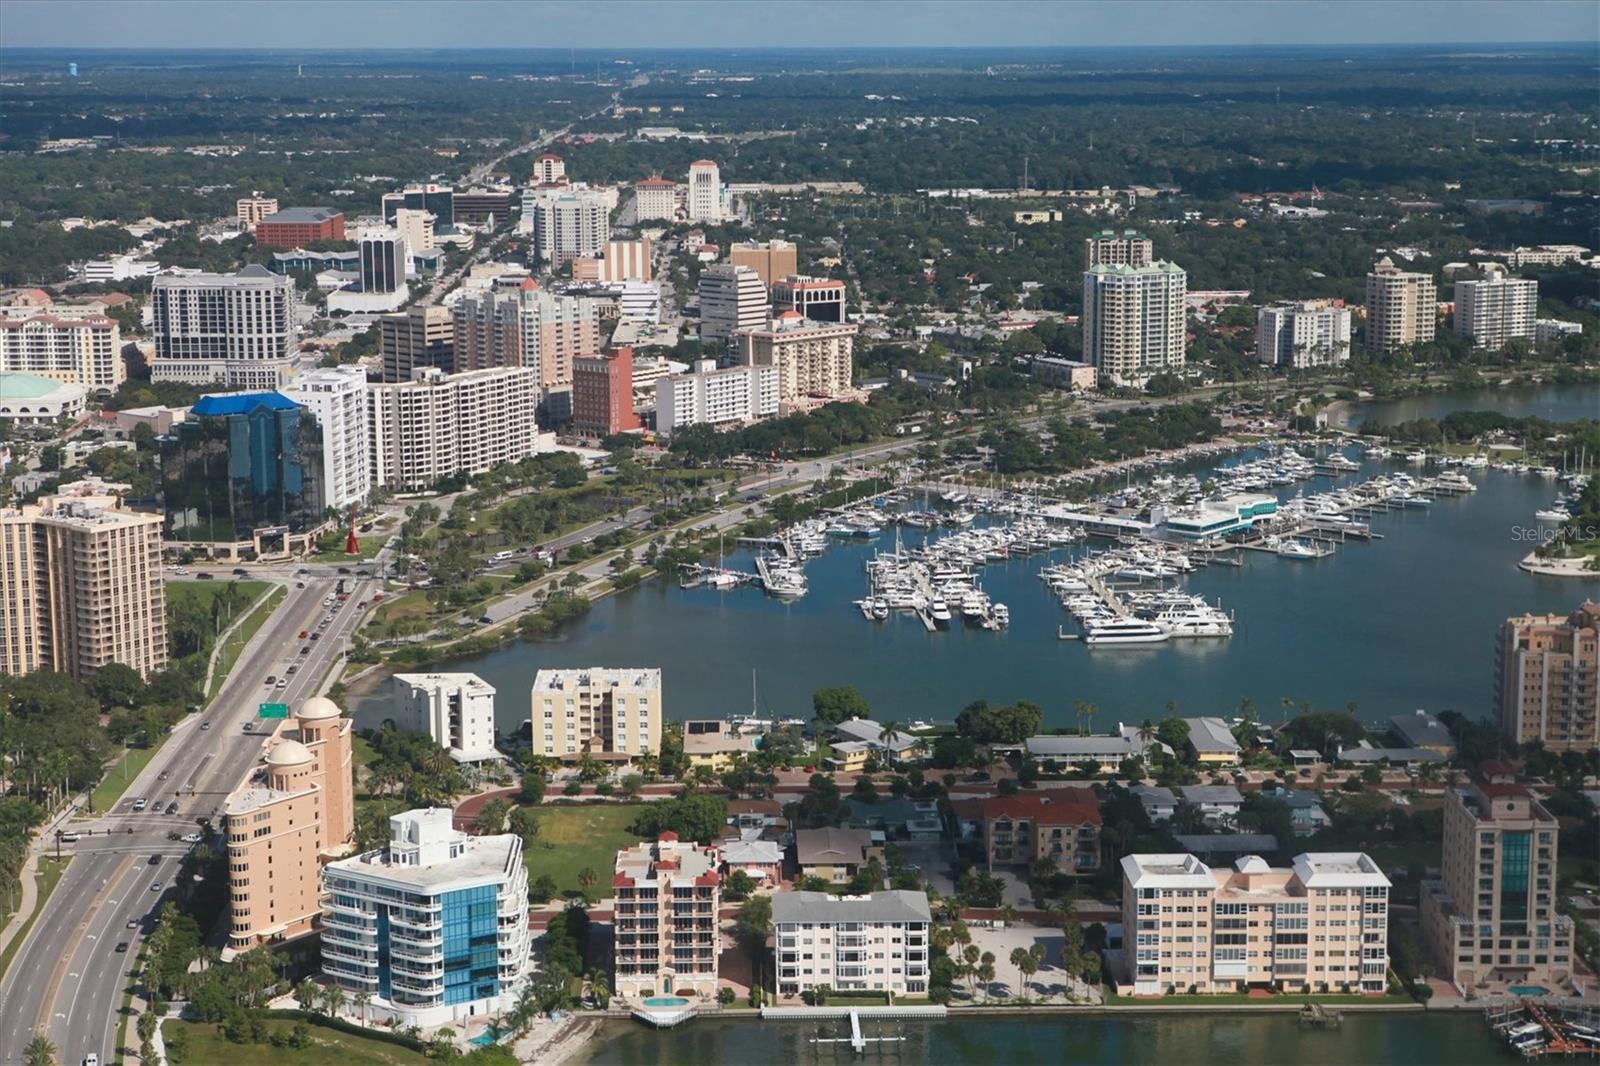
[(1547, 679), (601, 710), (667, 895), (813, 358)]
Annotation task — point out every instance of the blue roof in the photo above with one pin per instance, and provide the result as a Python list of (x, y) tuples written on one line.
[(239, 403)]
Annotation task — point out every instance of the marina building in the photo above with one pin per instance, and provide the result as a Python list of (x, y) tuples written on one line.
[(1402, 308), (298, 227), (596, 710), (813, 359), (732, 298), (602, 393), (1302, 334), (238, 329), (420, 336), (70, 345), (708, 396), (1059, 826), (456, 710), (876, 943), (1133, 320), (819, 299), (1547, 679), (1491, 915), (1110, 248), (772, 260), (1319, 925), (433, 927), (292, 815), (337, 398), (438, 424), (655, 200), (1222, 516), (82, 584), (705, 192), (667, 940), (1496, 309)]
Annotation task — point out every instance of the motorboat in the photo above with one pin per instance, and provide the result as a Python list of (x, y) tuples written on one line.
[(1550, 514), (939, 610), (1294, 549), (1123, 630), (1547, 471)]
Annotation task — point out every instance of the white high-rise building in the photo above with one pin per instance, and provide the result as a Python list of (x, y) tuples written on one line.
[(1496, 309), (655, 200), (456, 710), (1110, 248), (439, 424), (639, 302), (1546, 330), (710, 396), (434, 927), (72, 345), (567, 224), (876, 943), (705, 191), (549, 169), (731, 297), (337, 396), (813, 359), (416, 226), (1133, 320), (1303, 334), (235, 328), (1402, 308), (383, 260)]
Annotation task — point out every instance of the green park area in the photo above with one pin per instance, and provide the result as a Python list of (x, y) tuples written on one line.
[(578, 838), (203, 1043)]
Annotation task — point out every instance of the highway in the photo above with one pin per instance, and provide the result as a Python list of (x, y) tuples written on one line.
[(68, 978)]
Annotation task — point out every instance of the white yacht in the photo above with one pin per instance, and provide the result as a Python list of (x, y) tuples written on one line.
[(1417, 457), (939, 610), (1294, 549), (1196, 622), (1546, 471), (1551, 514), (1001, 614), (1123, 630)]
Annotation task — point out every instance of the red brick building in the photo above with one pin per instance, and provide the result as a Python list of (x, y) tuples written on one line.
[(602, 393), (299, 227)]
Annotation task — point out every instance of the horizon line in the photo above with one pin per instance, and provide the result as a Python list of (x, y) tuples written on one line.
[(800, 48)]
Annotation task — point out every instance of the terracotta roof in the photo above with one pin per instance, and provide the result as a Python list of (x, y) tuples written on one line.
[(658, 183), (1057, 806)]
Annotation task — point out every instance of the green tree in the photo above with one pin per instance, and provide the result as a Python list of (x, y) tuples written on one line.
[(834, 705)]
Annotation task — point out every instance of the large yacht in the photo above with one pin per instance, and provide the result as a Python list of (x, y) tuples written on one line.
[(1123, 631)]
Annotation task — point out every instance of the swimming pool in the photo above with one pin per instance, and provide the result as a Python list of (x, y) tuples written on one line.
[(1529, 990), (485, 1038), (666, 1001)]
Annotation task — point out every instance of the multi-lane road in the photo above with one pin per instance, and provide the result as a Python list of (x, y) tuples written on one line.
[(68, 977)]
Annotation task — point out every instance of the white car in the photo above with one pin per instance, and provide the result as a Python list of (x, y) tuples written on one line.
[(192, 838)]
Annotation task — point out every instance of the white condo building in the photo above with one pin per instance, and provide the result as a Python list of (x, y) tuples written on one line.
[(1495, 310), (876, 943), (731, 298), (434, 927), (598, 710), (639, 302), (567, 224), (705, 191), (1402, 308), (813, 359), (1302, 334), (456, 710), (72, 345), (337, 396), (708, 396), (235, 328), (439, 424), (1133, 320), (1546, 330)]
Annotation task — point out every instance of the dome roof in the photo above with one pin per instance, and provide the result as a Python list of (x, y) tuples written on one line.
[(318, 707), (289, 753)]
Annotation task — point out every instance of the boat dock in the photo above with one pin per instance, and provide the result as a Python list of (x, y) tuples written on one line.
[(697, 574), (1539, 1028)]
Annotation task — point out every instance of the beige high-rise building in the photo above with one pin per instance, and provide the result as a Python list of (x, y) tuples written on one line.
[(655, 200), (1491, 916), (529, 327), (1547, 679), (81, 585), (1402, 308), (667, 937), (1108, 247), (1134, 321), (873, 943), (77, 346), (292, 816), (253, 208), (814, 359), (1496, 309), (732, 297), (416, 226), (1320, 925), (438, 424), (419, 336), (705, 191), (601, 710), (771, 260)]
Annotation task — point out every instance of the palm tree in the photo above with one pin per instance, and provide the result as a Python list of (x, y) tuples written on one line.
[(1019, 959), (363, 1001), (888, 733), (305, 994), (1086, 712), (986, 971), (39, 1051), (587, 879), (333, 1000), (969, 969)]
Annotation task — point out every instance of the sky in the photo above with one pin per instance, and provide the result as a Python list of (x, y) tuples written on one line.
[(301, 24)]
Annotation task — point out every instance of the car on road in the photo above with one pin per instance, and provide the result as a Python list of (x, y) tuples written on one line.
[(203, 577), (155, 886), (140, 804), (122, 947), (306, 650), (155, 860), (133, 923), (240, 571), (316, 636), (180, 570), (344, 569), (303, 634), (172, 808), (192, 838), (293, 669), (163, 775), (205, 725), (91, 1059), (283, 682), (272, 679), (69, 838), (299, 584)]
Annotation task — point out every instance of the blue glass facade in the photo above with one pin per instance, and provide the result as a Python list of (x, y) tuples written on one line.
[(471, 966), (1514, 858)]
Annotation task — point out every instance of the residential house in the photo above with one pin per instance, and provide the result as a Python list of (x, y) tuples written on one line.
[(1305, 808), (1219, 804), (1419, 729), (762, 860), (716, 743), (897, 817), (1159, 803), (1099, 754), (903, 746), (1212, 742), (1365, 754), (835, 854)]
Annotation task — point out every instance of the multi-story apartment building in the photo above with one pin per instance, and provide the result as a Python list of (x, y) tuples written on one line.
[(1491, 916), (549, 169), (416, 227), (75, 346), (253, 208), (438, 424), (1493, 310), (528, 327), (819, 299), (655, 200), (298, 227), (814, 359), (456, 710), (1320, 925), (708, 396), (420, 336), (602, 393), (1302, 334), (876, 943), (771, 260), (337, 398), (1133, 320), (1061, 827), (567, 224), (666, 937), (289, 817), (81, 585), (1402, 308), (732, 297), (1544, 255), (705, 191), (235, 328), (1547, 679), (618, 261), (1110, 248), (433, 927), (1549, 330), (598, 710)]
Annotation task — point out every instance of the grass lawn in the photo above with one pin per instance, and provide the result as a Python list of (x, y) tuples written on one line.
[(47, 877), (572, 838), (206, 1045), (241, 636), (406, 606), (115, 783), (368, 546), (205, 593)]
